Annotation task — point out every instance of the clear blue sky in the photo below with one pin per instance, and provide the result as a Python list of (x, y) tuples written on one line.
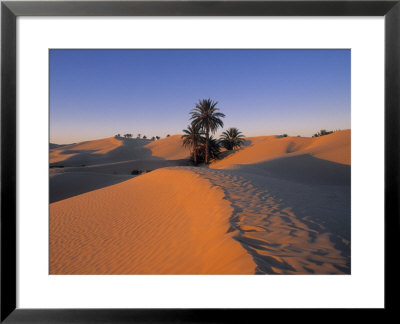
[(100, 93)]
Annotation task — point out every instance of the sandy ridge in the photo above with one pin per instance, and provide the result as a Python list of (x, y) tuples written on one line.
[(120, 230)]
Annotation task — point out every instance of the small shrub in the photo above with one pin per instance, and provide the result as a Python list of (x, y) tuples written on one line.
[(322, 132), (137, 172)]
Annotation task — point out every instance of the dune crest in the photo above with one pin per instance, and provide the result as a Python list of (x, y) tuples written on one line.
[(169, 148), (99, 147), (333, 147), (86, 166), (118, 149), (170, 221)]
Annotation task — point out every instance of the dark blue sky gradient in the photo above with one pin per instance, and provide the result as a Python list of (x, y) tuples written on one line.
[(99, 93)]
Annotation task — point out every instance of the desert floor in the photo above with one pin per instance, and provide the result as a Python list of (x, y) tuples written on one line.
[(275, 206)]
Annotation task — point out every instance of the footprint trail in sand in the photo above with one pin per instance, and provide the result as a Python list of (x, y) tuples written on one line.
[(279, 241)]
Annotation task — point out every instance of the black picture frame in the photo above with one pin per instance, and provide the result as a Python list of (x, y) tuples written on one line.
[(10, 10)]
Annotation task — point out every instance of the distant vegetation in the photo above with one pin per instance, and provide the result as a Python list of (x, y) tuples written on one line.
[(322, 132), (153, 138)]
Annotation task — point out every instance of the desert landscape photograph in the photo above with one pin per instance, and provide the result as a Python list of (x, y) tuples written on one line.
[(199, 162)]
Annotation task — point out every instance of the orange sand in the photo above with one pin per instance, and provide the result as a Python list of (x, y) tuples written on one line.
[(334, 147), (111, 149), (169, 148), (275, 206), (166, 222)]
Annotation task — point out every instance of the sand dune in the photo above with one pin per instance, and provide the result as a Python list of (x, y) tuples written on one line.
[(276, 206), (334, 147), (287, 227), (165, 222), (72, 181), (112, 149), (69, 184), (81, 152), (91, 165), (169, 148)]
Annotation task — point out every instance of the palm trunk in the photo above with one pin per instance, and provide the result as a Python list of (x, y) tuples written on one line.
[(195, 154), (206, 153)]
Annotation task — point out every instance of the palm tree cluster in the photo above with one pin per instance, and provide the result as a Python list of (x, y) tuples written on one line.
[(205, 120)]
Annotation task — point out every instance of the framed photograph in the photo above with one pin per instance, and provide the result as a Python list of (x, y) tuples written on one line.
[(188, 161)]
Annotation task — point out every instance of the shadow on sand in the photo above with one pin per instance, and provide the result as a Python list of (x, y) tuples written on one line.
[(291, 214), (87, 170)]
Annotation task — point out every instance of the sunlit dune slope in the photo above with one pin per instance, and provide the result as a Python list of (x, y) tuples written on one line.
[(169, 148), (99, 147), (333, 148), (170, 221), (112, 149)]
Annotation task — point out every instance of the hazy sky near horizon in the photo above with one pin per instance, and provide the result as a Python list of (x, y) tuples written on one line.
[(100, 93)]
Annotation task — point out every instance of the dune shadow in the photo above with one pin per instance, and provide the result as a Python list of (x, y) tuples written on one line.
[(316, 192), (247, 142), (70, 184), (89, 170), (286, 211), (66, 152), (303, 168), (131, 149)]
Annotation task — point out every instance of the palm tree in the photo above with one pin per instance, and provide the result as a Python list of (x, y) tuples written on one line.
[(232, 138), (206, 116), (192, 138), (213, 149)]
